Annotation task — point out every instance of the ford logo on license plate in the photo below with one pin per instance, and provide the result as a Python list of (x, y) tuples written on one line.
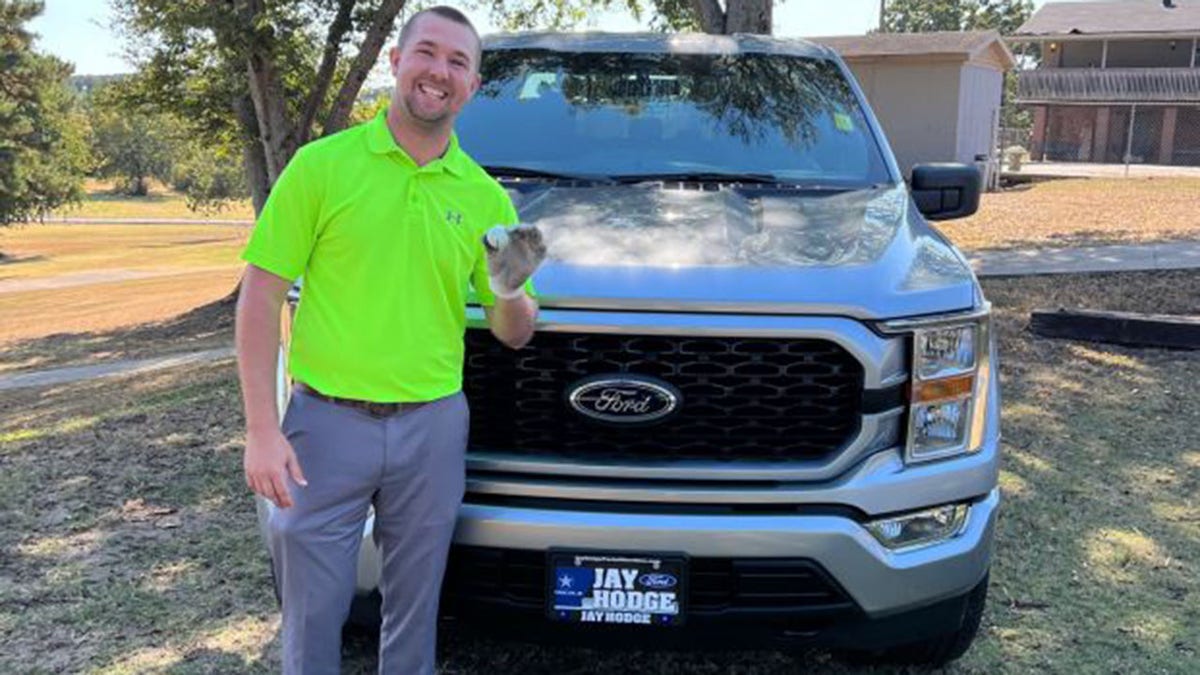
[(624, 399)]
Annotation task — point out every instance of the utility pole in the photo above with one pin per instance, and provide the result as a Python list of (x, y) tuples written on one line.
[(882, 9)]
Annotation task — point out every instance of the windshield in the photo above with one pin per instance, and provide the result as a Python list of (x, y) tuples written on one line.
[(785, 118)]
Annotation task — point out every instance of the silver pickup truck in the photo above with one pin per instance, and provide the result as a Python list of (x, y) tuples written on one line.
[(760, 407)]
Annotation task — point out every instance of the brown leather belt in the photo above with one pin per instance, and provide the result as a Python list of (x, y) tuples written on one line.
[(370, 407)]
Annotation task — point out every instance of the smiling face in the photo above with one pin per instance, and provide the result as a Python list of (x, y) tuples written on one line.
[(436, 71)]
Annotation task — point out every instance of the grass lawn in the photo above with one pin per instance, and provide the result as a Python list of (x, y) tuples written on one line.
[(102, 202), (1078, 212), (130, 544), (88, 280)]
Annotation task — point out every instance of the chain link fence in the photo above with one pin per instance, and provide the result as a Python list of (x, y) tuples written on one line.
[(1117, 134)]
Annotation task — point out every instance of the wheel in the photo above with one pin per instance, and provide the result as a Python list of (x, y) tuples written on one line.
[(933, 652)]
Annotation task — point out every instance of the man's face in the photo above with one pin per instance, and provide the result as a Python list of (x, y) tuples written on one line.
[(435, 70)]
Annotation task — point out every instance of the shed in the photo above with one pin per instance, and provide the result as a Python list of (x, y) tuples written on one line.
[(937, 95)]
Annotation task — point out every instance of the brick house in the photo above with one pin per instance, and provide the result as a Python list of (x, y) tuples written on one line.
[(1118, 79)]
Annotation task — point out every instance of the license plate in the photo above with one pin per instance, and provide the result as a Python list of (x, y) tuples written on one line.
[(615, 589)]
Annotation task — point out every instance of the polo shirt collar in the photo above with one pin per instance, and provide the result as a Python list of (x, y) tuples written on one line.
[(380, 141)]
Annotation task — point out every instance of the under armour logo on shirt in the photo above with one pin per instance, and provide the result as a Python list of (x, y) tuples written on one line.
[(453, 218)]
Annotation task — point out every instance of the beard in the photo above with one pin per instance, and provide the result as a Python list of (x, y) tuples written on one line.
[(430, 119)]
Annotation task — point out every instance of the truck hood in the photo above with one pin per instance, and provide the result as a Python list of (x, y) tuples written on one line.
[(652, 247)]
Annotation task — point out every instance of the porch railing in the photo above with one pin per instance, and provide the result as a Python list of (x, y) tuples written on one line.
[(1109, 85)]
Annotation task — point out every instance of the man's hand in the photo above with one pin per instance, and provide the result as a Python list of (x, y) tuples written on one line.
[(269, 459), (513, 255)]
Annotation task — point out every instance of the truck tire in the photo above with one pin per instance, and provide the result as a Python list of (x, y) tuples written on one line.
[(933, 652)]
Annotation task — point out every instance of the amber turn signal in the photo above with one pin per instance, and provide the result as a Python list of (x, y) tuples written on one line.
[(944, 389)]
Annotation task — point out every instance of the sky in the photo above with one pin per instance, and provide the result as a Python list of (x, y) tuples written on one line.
[(76, 30)]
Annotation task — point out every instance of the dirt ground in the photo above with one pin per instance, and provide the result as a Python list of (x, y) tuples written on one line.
[(128, 540), (1082, 212)]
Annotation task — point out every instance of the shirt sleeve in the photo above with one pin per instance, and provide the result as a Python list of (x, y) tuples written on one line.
[(286, 231), (479, 277)]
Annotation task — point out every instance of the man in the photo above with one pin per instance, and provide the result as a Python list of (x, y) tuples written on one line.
[(386, 223)]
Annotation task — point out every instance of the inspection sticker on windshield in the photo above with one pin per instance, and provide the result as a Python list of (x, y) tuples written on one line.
[(843, 122), (590, 588)]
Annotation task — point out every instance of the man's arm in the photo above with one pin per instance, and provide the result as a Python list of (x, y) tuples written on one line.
[(512, 320), (269, 457)]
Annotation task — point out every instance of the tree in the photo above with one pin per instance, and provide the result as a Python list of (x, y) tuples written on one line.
[(709, 16), (922, 16), (131, 143), (43, 136), (265, 76)]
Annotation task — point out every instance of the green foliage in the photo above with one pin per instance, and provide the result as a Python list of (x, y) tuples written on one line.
[(258, 78), (132, 143), (209, 176), (43, 135), (922, 16), (369, 106)]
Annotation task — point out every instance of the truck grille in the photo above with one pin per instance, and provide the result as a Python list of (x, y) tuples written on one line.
[(744, 399)]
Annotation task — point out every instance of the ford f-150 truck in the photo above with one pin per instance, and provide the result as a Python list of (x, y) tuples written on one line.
[(761, 404)]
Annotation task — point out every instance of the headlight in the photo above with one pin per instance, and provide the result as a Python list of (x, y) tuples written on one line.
[(942, 352), (920, 528), (951, 371)]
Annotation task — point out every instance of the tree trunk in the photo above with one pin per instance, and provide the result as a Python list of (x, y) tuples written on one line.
[(710, 14), (275, 129), (254, 161), (341, 25), (748, 16)]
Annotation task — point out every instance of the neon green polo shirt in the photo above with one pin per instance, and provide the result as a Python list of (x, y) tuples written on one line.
[(389, 252)]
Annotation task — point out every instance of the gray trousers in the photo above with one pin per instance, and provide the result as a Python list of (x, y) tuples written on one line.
[(410, 466)]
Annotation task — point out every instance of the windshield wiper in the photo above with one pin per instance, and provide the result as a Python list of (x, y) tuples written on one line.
[(700, 177), (497, 171)]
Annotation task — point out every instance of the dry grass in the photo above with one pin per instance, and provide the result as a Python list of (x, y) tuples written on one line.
[(89, 279), (1080, 212), (130, 543), (209, 326), (102, 202)]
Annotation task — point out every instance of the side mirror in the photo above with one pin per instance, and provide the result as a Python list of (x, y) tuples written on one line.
[(946, 191)]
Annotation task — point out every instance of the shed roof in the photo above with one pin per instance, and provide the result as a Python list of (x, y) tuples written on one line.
[(1117, 17), (966, 45)]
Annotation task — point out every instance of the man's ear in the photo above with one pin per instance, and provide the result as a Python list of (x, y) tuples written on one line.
[(476, 82), (394, 59)]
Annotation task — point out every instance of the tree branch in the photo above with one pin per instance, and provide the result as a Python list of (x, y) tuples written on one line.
[(368, 53), (333, 47), (712, 17)]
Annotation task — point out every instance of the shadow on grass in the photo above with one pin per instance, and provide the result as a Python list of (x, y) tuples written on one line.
[(204, 327), (133, 538)]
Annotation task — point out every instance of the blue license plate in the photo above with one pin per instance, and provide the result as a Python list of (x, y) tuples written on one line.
[(615, 588)]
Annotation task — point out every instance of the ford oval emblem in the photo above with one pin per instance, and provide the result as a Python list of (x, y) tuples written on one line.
[(624, 399), (658, 581)]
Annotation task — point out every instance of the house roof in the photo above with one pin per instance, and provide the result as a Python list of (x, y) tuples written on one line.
[(1113, 17), (966, 45)]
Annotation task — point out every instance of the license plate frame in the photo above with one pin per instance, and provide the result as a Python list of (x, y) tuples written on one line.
[(649, 590)]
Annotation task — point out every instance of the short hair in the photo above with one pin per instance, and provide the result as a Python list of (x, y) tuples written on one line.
[(446, 13)]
